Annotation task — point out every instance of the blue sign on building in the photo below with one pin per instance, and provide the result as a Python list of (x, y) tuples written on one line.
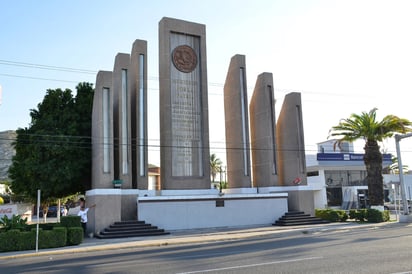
[(348, 157)]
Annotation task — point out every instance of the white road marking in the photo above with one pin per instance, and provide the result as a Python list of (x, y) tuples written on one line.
[(252, 265)]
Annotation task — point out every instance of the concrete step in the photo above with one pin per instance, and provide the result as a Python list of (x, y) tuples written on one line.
[(131, 234), (125, 229), (298, 218)]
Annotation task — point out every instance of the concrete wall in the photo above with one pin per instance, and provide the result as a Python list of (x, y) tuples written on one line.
[(188, 212), (301, 201), (112, 205), (24, 210)]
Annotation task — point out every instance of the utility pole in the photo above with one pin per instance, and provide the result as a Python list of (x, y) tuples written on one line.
[(405, 204)]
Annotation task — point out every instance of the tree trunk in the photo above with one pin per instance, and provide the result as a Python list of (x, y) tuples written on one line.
[(373, 163)]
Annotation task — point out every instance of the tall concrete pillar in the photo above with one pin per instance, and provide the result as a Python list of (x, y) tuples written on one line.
[(237, 124), (291, 147), (138, 94), (102, 132), (122, 120), (263, 133), (184, 125), (290, 142)]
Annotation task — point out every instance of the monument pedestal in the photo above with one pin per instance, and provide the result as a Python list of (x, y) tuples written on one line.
[(112, 205), (176, 212)]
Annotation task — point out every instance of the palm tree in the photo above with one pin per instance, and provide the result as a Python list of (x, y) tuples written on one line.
[(215, 166), (394, 167), (365, 126)]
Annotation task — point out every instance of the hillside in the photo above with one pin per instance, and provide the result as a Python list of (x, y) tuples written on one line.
[(6, 152)]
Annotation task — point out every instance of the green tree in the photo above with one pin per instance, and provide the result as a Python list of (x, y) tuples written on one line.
[(215, 166), (54, 153), (365, 126)]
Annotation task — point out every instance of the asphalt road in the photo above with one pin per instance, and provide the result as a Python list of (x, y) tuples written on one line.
[(385, 249)]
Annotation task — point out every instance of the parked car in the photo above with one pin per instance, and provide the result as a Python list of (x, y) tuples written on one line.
[(52, 211), (396, 205)]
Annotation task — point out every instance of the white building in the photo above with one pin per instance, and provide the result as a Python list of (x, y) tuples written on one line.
[(338, 176)]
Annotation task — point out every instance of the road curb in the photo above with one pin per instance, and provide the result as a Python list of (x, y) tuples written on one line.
[(191, 237)]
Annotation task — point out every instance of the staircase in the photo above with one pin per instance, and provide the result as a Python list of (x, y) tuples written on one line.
[(126, 229), (298, 218)]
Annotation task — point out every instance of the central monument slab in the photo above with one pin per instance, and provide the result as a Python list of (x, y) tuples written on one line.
[(184, 126)]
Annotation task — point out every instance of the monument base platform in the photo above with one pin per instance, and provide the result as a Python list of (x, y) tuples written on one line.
[(184, 209), (176, 211)]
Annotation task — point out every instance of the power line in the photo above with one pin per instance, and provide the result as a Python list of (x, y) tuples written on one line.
[(46, 67), (38, 78), (153, 78), (87, 145)]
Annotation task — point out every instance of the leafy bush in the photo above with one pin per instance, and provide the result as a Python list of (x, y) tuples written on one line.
[(43, 226), (17, 235), (16, 222), (53, 238), (369, 215), (15, 240), (70, 221), (359, 214), (377, 216), (331, 215), (74, 235)]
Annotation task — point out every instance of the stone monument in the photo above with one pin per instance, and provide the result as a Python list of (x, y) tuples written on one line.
[(185, 199), (184, 126), (237, 124), (263, 133)]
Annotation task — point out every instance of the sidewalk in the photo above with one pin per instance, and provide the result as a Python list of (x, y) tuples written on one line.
[(193, 236)]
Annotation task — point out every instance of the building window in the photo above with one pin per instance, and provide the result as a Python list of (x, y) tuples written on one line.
[(312, 173), (345, 178), (334, 196)]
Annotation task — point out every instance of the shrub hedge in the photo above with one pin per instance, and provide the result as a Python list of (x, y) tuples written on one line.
[(16, 240), (331, 215), (361, 215), (369, 215), (74, 235), (51, 235)]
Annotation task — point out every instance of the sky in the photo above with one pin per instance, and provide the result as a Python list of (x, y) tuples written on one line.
[(343, 56)]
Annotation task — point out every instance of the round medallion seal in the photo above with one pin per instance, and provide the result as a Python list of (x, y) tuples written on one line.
[(184, 58)]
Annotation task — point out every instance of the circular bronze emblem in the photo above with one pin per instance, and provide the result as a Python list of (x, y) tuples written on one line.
[(184, 58)]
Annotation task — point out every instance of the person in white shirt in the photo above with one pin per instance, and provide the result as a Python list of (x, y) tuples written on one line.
[(83, 216)]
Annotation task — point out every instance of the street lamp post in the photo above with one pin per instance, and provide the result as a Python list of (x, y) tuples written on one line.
[(398, 138)]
